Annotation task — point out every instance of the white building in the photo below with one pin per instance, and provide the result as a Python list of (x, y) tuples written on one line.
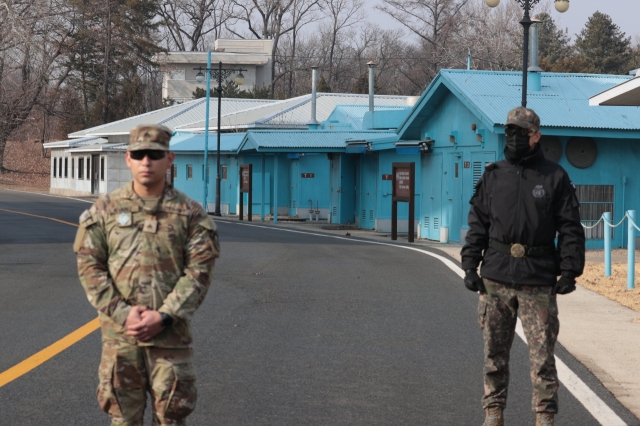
[(254, 56)]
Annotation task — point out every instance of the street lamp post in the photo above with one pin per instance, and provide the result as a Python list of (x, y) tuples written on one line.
[(527, 5), (219, 74)]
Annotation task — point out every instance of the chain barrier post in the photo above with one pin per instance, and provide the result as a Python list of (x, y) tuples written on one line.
[(631, 250), (607, 243)]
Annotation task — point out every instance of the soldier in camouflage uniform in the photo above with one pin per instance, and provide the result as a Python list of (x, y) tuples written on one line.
[(145, 259), (519, 207)]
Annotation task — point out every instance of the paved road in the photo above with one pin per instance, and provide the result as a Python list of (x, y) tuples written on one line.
[(296, 329)]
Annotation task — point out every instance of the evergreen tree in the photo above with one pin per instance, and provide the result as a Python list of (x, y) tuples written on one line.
[(361, 86), (553, 43), (323, 86), (603, 46), (201, 93)]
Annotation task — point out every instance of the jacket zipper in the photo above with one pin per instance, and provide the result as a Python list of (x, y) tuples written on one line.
[(519, 173)]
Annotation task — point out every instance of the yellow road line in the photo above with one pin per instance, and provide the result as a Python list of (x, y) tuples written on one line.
[(41, 217), (48, 352)]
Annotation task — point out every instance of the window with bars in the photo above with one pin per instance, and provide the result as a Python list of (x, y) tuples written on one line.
[(55, 167), (189, 171), (80, 168), (66, 167), (223, 172), (595, 200), (60, 167)]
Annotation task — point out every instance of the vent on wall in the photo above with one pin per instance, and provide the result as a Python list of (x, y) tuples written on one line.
[(426, 221), (581, 152), (335, 211), (436, 223), (370, 214), (551, 147), (364, 215)]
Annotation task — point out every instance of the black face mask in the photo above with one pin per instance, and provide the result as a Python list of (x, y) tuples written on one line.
[(517, 141)]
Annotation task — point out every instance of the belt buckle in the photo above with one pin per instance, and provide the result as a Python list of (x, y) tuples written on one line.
[(518, 250)]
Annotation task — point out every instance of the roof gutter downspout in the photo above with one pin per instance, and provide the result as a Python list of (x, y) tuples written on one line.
[(313, 123), (534, 71)]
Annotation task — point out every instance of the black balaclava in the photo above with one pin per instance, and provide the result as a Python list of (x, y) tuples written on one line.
[(517, 142)]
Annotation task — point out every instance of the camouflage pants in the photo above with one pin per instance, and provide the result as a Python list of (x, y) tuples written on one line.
[(127, 372), (498, 310)]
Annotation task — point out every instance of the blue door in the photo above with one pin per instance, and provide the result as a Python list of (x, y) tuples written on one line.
[(454, 196), (431, 200), (334, 185), (293, 187), (348, 189), (368, 186)]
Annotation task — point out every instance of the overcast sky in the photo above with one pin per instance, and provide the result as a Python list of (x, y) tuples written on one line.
[(624, 13)]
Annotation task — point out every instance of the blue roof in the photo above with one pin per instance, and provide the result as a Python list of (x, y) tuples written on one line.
[(307, 140), (353, 116), (194, 142), (562, 102)]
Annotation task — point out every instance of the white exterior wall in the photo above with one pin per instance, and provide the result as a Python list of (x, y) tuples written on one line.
[(252, 55), (116, 173)]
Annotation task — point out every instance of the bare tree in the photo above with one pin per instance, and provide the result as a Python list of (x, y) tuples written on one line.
[(189, 22), (342, 15), (434, 22), (33, 38), (493, 37)]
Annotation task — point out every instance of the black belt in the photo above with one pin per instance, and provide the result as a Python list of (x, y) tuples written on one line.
[(520, 250)]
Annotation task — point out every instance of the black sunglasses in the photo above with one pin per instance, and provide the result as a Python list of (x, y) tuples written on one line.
[(510, 131), (151, 153)]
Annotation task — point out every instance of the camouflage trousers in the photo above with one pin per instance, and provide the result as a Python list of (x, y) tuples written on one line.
[(127, 372), (497, 314)]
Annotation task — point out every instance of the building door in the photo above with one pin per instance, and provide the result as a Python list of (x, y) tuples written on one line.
[(454, 196), (293, 187), (95, 174), (347, 206), (368, 188), (431, 201), (334, 185)]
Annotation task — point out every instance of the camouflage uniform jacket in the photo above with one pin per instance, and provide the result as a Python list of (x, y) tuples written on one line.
[(161, 259)]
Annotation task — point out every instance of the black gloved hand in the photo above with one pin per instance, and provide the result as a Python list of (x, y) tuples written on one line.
[(565, 285), (473, 281)]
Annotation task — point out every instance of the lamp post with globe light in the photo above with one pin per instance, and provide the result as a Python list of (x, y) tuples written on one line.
[(561, 6), (219, 74)]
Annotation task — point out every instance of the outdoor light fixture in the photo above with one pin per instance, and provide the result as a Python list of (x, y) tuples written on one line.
[(218, 74), (561, 6)]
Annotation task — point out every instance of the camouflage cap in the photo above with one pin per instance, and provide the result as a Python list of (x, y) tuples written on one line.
[(149, 136), (523, 117)]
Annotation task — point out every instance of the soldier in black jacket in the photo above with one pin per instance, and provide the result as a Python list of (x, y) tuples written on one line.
[(520, 206)]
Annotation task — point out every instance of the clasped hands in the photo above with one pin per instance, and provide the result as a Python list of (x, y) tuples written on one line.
[(143, 323)]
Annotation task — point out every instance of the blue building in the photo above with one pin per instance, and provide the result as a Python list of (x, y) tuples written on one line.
[(463, 113)]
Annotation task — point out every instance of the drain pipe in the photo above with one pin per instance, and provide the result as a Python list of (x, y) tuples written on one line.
[(313, 123), (534, 71), (371, 66)]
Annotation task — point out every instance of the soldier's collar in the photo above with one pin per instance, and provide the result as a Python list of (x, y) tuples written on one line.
[(168, 194)]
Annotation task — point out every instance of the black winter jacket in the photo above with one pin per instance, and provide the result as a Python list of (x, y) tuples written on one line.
[(526, 203)]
